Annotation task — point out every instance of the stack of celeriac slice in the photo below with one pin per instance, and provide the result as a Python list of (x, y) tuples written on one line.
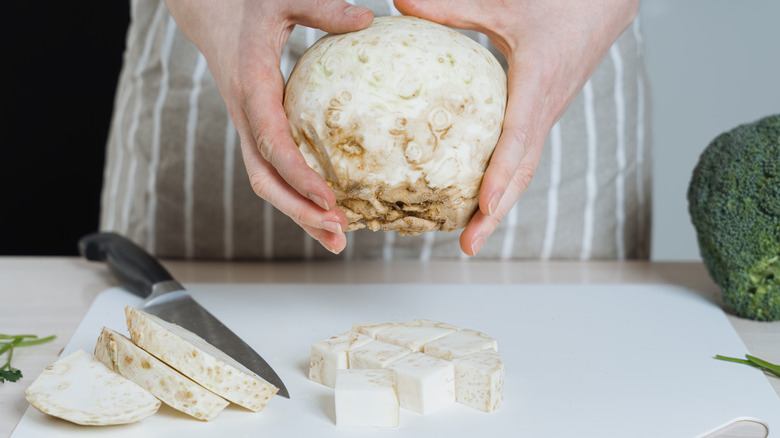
[(125, 380)]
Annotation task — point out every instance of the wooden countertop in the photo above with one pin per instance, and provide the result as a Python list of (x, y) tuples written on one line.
[(50, 295)]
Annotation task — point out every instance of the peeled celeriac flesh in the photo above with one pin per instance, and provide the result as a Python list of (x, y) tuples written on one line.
[(460, 343), (366, 398), (121, 355), (200, 361), (376, 354), (447, 364), (400, 119), (80, 389), (479, 380), (425, 383), (330, 355)]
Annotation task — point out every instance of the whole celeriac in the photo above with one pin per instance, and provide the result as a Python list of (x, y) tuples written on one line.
[(400, 119)]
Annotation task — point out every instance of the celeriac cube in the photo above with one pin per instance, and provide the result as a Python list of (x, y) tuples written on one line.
[(425, 383), (415, 334), (366, 398), (330, 355), (460, 343), (479, 380), (376, 354)]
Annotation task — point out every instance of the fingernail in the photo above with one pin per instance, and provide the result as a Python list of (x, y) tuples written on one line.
[(355, 11), (493, 203), (319, 200), (333, 250), (332, 226), (477, 244)]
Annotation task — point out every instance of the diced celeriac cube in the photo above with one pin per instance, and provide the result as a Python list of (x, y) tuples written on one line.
[(366, 398), (376, 354), (415, 334), (479, 380), (425, 383), (173, 388), (330, 355), (371, 329), (80, 389), (202, 362), (460, 343)]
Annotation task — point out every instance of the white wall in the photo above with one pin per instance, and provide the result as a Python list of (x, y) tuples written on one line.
[(713, 64)]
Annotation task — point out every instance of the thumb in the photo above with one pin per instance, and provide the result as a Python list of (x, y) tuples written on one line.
[(334, 16)]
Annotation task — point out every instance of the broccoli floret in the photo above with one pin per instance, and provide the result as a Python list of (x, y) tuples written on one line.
[(734, 203)]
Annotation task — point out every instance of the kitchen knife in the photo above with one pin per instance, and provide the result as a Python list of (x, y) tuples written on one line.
[(143, 275)]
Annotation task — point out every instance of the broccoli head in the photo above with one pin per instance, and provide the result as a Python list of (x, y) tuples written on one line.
[(734, 203)]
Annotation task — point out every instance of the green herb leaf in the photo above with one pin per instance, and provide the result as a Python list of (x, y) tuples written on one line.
[(753, 362), (10, 374), (7, 345)]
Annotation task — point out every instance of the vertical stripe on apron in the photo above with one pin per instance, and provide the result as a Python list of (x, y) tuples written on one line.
[(114, 165), (391, 6), (151, 218), (510, 225), (643, 246), (620, 152), (590, 177), (227, 198), (189, 157), (268, 230), (134, 124), (427, 247), (552, 192)]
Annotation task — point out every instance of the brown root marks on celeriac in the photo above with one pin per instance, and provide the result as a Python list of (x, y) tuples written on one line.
[(409, 209)]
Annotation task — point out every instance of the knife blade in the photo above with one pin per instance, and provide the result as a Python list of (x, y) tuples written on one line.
[(140, 273)]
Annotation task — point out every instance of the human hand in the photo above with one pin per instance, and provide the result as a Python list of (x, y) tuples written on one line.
[(552, 47), (242, 41)]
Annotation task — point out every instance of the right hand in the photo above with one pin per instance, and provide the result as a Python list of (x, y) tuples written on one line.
[(242, 41)]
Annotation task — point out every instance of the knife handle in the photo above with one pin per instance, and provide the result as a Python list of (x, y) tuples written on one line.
[(135, 268)]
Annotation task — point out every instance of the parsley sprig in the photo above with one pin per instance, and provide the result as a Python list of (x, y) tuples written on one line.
[(7, 345), (754, 362)]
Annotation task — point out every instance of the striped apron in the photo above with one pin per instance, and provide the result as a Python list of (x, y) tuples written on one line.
[(175, 182)]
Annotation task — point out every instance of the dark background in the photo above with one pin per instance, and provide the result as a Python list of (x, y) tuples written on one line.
[(60, 65)]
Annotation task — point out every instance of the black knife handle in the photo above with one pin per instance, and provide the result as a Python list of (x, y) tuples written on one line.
[(135, 268)]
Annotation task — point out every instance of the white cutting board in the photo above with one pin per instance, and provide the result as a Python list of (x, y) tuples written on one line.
[(581, 361)]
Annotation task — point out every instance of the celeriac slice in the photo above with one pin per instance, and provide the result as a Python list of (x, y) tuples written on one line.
[(173, 388), (200, 361), (80, 389)]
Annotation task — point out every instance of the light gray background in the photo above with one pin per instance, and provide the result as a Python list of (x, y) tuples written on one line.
[(713, 64)]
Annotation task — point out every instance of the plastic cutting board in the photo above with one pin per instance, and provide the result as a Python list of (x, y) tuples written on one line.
[(581, 360)]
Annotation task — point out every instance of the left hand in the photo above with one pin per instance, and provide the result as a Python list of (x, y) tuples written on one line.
[(552, 47)]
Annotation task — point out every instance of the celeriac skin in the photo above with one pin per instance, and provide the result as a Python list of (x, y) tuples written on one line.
[(400, 119)]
